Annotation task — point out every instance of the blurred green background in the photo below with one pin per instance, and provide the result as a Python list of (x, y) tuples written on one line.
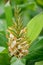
[(29, 8)]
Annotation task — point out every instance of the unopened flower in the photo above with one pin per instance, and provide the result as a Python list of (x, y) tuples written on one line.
[(11, 36)]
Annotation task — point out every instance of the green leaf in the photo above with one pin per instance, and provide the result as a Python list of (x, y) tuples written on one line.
[(35, 52), (39, 63), (1, 9), (2, 49), (8, 14), (3, 40), (1, 1), (37, 44), (41, 34), (25, 17), (4, 59), (16, 61), (34, 27), (3, 25), (13, 59), (16, 2), (39, 2)]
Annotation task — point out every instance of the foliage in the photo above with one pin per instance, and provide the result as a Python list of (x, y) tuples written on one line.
[(31, 12)]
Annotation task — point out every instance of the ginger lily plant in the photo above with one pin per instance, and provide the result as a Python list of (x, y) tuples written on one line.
[(23, 46), (17, 42)]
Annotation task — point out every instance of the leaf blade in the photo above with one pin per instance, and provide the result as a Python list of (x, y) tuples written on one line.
[(34, 27)]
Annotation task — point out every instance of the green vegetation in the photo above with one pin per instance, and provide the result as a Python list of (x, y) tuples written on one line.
[(21, 32)]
